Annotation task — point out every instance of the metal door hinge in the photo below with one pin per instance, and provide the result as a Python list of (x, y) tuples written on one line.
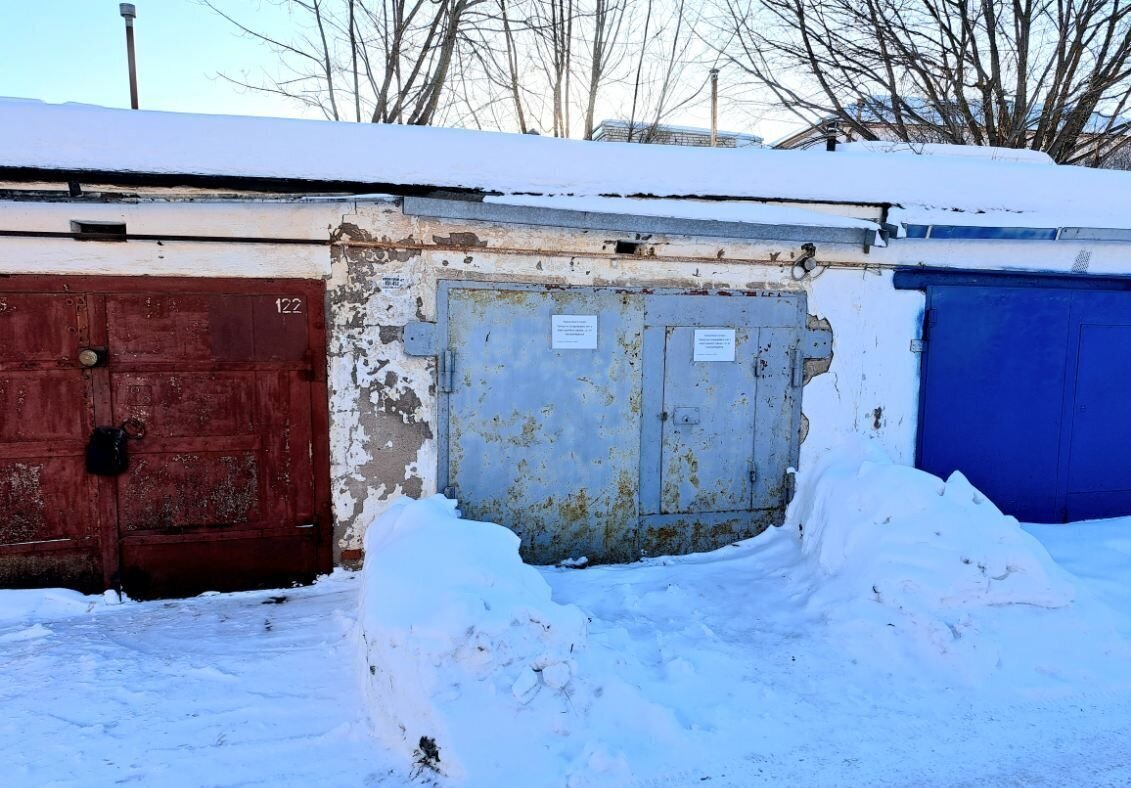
[(798, 368), (447, 361)]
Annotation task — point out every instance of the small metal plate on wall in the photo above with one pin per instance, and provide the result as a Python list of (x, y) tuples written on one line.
[(420, 339), (818, 343)]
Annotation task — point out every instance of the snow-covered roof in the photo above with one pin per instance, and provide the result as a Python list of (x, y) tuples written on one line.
[(74, 140), (1022, 155)]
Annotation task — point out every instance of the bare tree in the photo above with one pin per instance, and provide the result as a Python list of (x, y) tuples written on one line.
[(397, 55), (605, 51), (662, 85), (549, 65), (1051, 75)]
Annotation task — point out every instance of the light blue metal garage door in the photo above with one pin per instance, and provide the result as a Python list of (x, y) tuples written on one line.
[(613, 423)]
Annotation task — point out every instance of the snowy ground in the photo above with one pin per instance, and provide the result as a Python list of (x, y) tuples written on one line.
[(727, 642), (220, 690), (722, 669)]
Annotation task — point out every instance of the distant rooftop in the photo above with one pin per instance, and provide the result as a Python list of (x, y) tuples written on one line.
[(666, 134)]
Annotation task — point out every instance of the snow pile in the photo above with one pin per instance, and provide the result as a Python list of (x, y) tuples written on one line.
[(468, 663), (909, 568), (913, 541)]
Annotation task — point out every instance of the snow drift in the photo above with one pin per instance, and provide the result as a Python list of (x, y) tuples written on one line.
[(914, 573), (467, 660), (913, 541), (890, 582)]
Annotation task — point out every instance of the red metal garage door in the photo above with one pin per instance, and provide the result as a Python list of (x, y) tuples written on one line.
[(227, 488)]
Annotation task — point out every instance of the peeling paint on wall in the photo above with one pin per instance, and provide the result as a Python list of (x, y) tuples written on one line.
[(383, 402)]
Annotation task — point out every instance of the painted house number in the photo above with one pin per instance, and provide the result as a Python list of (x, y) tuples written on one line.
[(289, 306)]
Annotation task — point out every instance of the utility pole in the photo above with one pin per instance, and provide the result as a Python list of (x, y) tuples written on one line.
[(714, 107), (128, 13)]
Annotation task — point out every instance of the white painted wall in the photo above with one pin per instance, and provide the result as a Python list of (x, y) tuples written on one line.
[(310, 220)]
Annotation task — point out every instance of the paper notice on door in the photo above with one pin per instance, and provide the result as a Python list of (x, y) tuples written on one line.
[(714, 344), (573, 332)]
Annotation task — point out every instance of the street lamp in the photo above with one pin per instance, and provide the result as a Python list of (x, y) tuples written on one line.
[(129, 13)]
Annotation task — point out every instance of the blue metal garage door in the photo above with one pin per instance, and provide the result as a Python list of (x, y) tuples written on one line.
[(1027, 390), (613, 423)]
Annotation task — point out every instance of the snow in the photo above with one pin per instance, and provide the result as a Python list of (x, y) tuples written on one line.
[(1098, 551), (855, 645), (452, 623), (898, 630), (936, 545), (987, 152), (72, 137), (221, 690), (915, 571)]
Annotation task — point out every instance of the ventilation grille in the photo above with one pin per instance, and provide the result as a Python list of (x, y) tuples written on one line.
[(1082, 260)]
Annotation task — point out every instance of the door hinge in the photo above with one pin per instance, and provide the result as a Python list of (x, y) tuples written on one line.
[(753, 473), (447, 361), (930, 315), (798, 368)]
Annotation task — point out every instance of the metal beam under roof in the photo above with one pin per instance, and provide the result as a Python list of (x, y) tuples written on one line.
[(956, 232), (500, 213)]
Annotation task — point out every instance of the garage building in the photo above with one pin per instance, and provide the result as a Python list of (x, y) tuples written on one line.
[(615, 350)]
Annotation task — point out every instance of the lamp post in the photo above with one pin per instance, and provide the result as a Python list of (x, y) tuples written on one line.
[(129, 13), (714, 107)]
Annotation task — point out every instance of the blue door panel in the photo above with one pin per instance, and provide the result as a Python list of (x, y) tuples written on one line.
[(1027, 390), (1099, 468), (993, 389)]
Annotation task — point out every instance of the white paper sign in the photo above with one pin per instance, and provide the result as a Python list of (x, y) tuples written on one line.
[(714, 344), (573, 332)]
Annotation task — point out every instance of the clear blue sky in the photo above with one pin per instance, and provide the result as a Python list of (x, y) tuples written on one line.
[(75, 50)]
